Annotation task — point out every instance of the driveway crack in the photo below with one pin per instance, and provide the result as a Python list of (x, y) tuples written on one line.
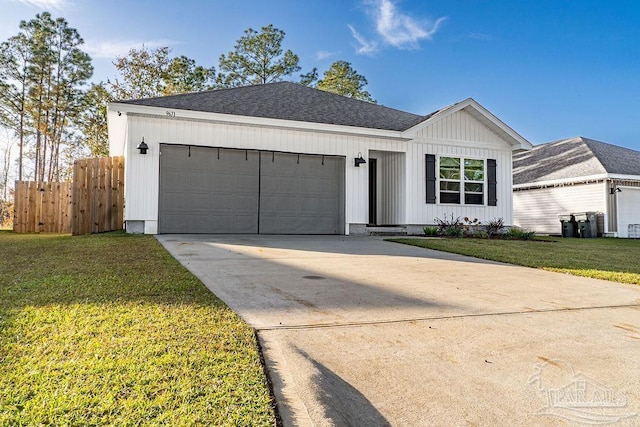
[(429, 318)]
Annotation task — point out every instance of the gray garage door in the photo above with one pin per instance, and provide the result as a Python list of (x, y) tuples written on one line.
[(211, 190), (204, 190), (301, 194)]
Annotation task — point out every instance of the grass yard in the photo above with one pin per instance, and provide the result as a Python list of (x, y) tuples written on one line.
[(610, 259), (111, 330)]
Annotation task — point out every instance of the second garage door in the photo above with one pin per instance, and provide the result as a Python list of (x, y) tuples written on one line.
[(628, 210), (211, 190)]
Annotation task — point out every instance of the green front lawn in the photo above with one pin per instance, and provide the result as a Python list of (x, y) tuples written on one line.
[(610, 259), (110, 329)]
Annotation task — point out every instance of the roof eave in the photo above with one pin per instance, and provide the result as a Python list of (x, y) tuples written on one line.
[(624, 177), (562, 181), (172, 113)]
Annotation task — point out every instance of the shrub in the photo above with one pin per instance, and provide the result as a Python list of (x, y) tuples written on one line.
[(454, 232), (453, 227), (517, 233), (494, 227), (430, 231), (479, 234)]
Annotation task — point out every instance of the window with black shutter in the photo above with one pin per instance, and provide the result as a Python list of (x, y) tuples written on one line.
[(431, 178), (461, 181)]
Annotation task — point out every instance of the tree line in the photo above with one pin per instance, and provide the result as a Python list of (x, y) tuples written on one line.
[(54, 115)]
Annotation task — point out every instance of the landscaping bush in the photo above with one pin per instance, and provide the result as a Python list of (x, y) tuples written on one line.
[(430, 231), (454, 232), (479, 234), (517, 233), (494, 227), (453, 227)]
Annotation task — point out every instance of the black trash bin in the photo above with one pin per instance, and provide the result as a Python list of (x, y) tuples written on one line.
[(569, 226), (587, 224)]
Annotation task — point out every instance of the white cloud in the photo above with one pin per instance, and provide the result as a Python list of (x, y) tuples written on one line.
[(111, 48), (480, 36), (323, 54), (365, 47), (398, 29), (47, 4)]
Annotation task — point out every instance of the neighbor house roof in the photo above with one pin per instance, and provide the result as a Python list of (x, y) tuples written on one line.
[(573, 158), (289, 101)]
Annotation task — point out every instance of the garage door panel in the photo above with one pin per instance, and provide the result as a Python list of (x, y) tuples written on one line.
[(301, 194), (175, 180), (218, 195), (199, 203), (175, 201), (278, 184), (319, 205)]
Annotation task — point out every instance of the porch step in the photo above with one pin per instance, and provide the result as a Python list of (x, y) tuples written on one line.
[(386, 231)]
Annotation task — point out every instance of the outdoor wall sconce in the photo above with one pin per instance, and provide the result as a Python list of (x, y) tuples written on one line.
[(143, 147), (359, 160), (614, 190)]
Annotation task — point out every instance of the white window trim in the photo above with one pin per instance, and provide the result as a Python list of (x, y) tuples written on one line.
[(462, 181)]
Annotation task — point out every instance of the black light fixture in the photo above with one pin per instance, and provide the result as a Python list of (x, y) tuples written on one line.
[(359, 160), (143, 147), (614, 190)]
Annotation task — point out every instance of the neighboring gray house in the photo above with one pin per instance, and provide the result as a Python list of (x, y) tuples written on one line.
[(283, 158), (577, 175)]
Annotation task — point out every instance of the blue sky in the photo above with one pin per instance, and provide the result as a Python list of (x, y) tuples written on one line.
[(549, 69)]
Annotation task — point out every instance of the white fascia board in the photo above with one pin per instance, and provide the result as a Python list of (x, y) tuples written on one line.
[(518, 142), (625, 177), (564, 181), (254, 121)]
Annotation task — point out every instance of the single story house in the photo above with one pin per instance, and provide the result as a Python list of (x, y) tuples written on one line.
[(283, 158), (577, 175)]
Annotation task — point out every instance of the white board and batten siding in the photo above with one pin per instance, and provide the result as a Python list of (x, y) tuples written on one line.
[(537, 209), (460, 126), (458, 135)]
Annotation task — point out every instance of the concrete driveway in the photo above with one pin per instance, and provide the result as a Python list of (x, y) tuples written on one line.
[(358, 331)]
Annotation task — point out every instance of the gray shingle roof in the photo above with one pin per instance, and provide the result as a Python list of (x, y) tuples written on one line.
[(289, 101), (573, 158)]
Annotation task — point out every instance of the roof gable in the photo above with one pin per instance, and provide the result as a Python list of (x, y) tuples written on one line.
[(573, 158), (486, 119), (288, 101)]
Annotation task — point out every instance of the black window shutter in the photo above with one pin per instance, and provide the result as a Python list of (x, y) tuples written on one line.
[(431, 178), (492, 178)]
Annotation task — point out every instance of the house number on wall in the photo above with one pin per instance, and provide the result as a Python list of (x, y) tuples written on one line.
[(171, 113)]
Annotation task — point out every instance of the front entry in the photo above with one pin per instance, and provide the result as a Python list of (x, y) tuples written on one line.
[(387, 188), (373, 191)]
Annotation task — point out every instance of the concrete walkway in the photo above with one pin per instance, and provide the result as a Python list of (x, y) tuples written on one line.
[(358, 331)]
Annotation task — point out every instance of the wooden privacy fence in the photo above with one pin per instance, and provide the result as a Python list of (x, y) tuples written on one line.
[(92, 203), (42, 207), (97, 195)]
